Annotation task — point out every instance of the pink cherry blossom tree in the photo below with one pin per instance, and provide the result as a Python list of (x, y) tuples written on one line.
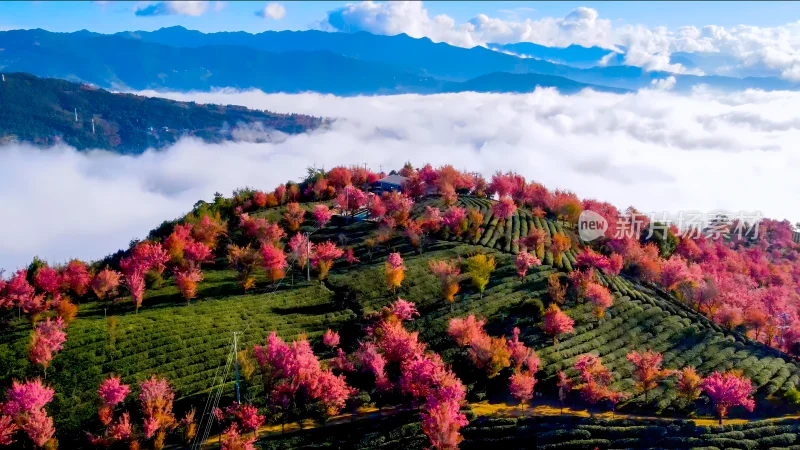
[(111, 392), (525, 261), (274, 261), (156, 399), (105, 283), (76, 277), (48, 338), (322, 215), (504, 209), (47, 279), (323, 257), (331, 338), (728, 390), (24, 405), (555, 322)]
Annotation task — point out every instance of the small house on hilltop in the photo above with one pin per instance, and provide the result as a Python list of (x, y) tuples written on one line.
[(391, 183)]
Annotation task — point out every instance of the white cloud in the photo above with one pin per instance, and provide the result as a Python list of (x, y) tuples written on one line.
[(774, 49), (219, 6), (664, 84), (653, 149), (182, 8), (274, 11)]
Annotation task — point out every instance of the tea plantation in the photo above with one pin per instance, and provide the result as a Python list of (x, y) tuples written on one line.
[(188, 344)]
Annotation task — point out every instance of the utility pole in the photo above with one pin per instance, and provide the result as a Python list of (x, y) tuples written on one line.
[(308, 258), (76, 114), (236, 367), (92, 125)]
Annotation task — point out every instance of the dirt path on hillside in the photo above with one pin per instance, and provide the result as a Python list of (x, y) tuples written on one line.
[(485, 409)]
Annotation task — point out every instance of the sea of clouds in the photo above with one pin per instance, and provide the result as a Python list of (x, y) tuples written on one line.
[(653, 149)]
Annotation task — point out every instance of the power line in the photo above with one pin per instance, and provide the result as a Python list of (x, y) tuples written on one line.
[(214, 399)]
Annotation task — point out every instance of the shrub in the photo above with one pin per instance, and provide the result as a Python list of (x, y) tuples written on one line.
[(533, 308)]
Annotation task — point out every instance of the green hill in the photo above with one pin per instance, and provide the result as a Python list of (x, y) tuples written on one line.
[(42, 111), (189, 344)]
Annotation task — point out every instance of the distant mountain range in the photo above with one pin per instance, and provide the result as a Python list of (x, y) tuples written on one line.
[(337, 63), (45, 111)]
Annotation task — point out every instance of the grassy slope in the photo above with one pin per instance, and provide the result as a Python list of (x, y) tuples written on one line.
[(188, 343)]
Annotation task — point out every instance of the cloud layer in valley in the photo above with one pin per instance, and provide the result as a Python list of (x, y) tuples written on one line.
[(753, 51), (653, 149)]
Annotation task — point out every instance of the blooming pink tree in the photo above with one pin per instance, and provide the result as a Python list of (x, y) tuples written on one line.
[(375, 206), (522, 381), (17, 290), (432, 220), (323, 257), (105, 283), (48, 338), (350, 200), (143, 258), (596, 379), (504, 209), (465, 330), (47, 279), (292, 374), (600, 297), (261, 229), (186, 280), (588, 259), (245, 417), (322, 215), (441, 422), (455, 220), (7, 430), (555, 322), (524, 261), (24, 405), (76, 277), (111, 392), (330, 338), (274, 261), (300, 250), (727, 390), (233, 440), (521, 386), (398, 206), (370, 360), (156, 399), (350, 256)]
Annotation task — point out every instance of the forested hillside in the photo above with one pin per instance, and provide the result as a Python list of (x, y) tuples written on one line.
[(43, 111), (451, 311)]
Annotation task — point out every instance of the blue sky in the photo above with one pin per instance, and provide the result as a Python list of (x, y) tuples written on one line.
[(118, 16)]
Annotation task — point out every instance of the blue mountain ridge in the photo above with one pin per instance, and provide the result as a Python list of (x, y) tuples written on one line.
[(337, 63), (446, 62)]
